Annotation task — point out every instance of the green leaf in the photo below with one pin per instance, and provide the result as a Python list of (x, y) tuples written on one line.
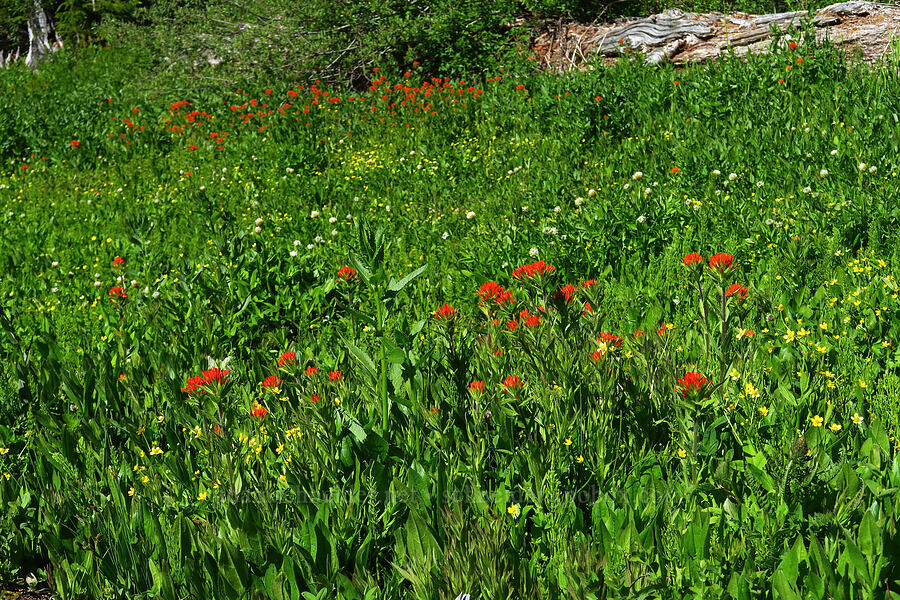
[(396, 286), (870, 541), (162, 581), (362, 358)]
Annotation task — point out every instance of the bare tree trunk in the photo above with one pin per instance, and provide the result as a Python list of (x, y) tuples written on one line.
[(39, 30)]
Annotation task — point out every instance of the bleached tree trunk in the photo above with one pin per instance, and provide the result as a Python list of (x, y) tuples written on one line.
[(39, 30)]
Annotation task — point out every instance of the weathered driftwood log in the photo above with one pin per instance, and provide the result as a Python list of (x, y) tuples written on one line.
[(680, 37)]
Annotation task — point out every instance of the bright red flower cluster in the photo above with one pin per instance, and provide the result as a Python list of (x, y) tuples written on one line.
[(476, 386), (535, 269), (512, 381), (445, 313), (258, 411), (491, 290), (211, 377), (335, 376), (610, 339), (311, 371), (720, 262), (117, 293), (287, 358), (272, 381), (118, 261), (737, 290), (565, 293), (692, 259), (346, 273), (529, 319), (692, 384)]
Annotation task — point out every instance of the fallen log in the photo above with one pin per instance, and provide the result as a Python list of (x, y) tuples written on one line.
[(864, 28)]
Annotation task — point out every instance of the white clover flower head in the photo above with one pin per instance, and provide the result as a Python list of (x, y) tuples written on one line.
[(388, 208), (155, 294), (332, 220), (314, 214), (641, 219), (297, 242), (591, 193), (637, 175), (470, 214), (807, 190), (289, 170), (334, 232), (525, 208), (872, 169), (647, 191), (556, 209), (533, 253), (862, 166), (732, 176), (134, 283), (97, 284), (258, 222), (759, 184), (716, 172), (257, 229), (833, 152), (319, 239), (579, 201), (823, 173), (54, 264), (445, 235), (627, 186), (310, 246), (293, 253)]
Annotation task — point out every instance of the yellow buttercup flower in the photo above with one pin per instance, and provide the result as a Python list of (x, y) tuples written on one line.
[(817, 421), (857, 420), (682, 453), (568, 442), (201, 496), (834, 427), (513, 510), (580, 459), (131, 491), (764, 411)]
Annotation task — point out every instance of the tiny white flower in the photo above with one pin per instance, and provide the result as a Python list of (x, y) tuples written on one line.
[(732, 176), (297, 242), (556, 209), (97, 284), (54, 264), (334, 232), (676, 301), (314, 214), (293, 253), (647, 191), (862, 166), (759, 184), (155, 294), (257, 229), (470, 214), (525, 208), (627, 186), (641, 219), (533, 252), (591, 193), (332, 220), (716, 172), (823, 173), (579, 201), (388, 208), (54, 290), (446, 235), (807, 190), (637, 175), (872, 169), (289, 170), (309, 246), (834, 152), (258, 222), (319, 239), (134, 283)]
